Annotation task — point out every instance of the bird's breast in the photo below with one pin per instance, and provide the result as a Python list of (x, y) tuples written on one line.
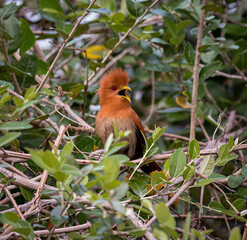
[(104, 127)]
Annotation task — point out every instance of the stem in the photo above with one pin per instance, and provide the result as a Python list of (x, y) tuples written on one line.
[(196, 73), (63, 46)]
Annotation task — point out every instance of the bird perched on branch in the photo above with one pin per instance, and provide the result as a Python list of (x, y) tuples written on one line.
[(115, 105)]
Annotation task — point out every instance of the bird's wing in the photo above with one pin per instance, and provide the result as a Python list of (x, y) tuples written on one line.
[(152, 166)]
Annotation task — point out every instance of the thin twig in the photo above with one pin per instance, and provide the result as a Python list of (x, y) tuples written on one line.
[(35, 108), (67, 108), (15, 82), (227, 223), (203, 129), (172, 200), (138, 20), (21, 181), (13, 202), (63, 45), (196, 73), (86, 82), (152, 100), (109, 65), (218, 125), (45, 172)]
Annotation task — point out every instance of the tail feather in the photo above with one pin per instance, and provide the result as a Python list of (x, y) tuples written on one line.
[(150, 167)]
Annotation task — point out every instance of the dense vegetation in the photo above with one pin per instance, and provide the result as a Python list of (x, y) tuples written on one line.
[(187, 64)]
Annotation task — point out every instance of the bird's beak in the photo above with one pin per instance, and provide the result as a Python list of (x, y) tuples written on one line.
[(123, 92)]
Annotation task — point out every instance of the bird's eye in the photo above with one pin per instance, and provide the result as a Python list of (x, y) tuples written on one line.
[(114, 88)]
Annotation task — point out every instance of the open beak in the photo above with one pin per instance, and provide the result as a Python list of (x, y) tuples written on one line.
[(123, 92)]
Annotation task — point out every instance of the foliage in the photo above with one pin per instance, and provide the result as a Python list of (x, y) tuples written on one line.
[(48, 81)]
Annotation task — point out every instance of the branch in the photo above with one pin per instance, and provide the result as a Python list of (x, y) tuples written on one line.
[(45, 172), (196, 73), (125, 35), (35, 108), (86, 127), (13, 202), (109, 64), (21, 181), (172, 200), (63, 45)]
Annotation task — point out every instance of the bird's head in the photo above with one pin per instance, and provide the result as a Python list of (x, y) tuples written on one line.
[(114, 86)]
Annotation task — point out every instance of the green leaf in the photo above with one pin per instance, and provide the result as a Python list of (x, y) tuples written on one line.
[(71, 170), (27, 37), (51, 10), (171, 26), (135, 8), (234, 181), (47, 91), (216, 206), (138, 232), (224, 150), (115, 147), (5, 35), (109, 4), (224, 155), (187, 227), (189, 172), (204, 182), (60, 176), (5, 97), (120, 191), (177, 163), (37, 157), (158, 177), (207, 166), (4, 86), (8, 138), (78, 189), (28, 64), (244, 171), (7, 11), (12, 27), (139, 187), (56, 218), (30, 93), (157, 133), (84, 144), (118, 206), (18, 102), (242, 191), (9, 218), (161, 235), (194, 149), (15, 126), (26, 194), (209, 69), (110, 43), (238, 204), (100, 10), (223, 161), (164, 216), (67, 150), (235, 234), (159, 67), (189, 54), (111, 168), (216, 176), (51, 161), (16, 70), (108, 142)]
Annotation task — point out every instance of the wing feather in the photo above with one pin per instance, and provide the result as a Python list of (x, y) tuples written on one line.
[(152, 166)]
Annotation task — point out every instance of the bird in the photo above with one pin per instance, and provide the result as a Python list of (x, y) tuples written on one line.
[(115, 106)]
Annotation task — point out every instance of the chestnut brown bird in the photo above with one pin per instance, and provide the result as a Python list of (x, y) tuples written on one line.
[(115, 105)]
